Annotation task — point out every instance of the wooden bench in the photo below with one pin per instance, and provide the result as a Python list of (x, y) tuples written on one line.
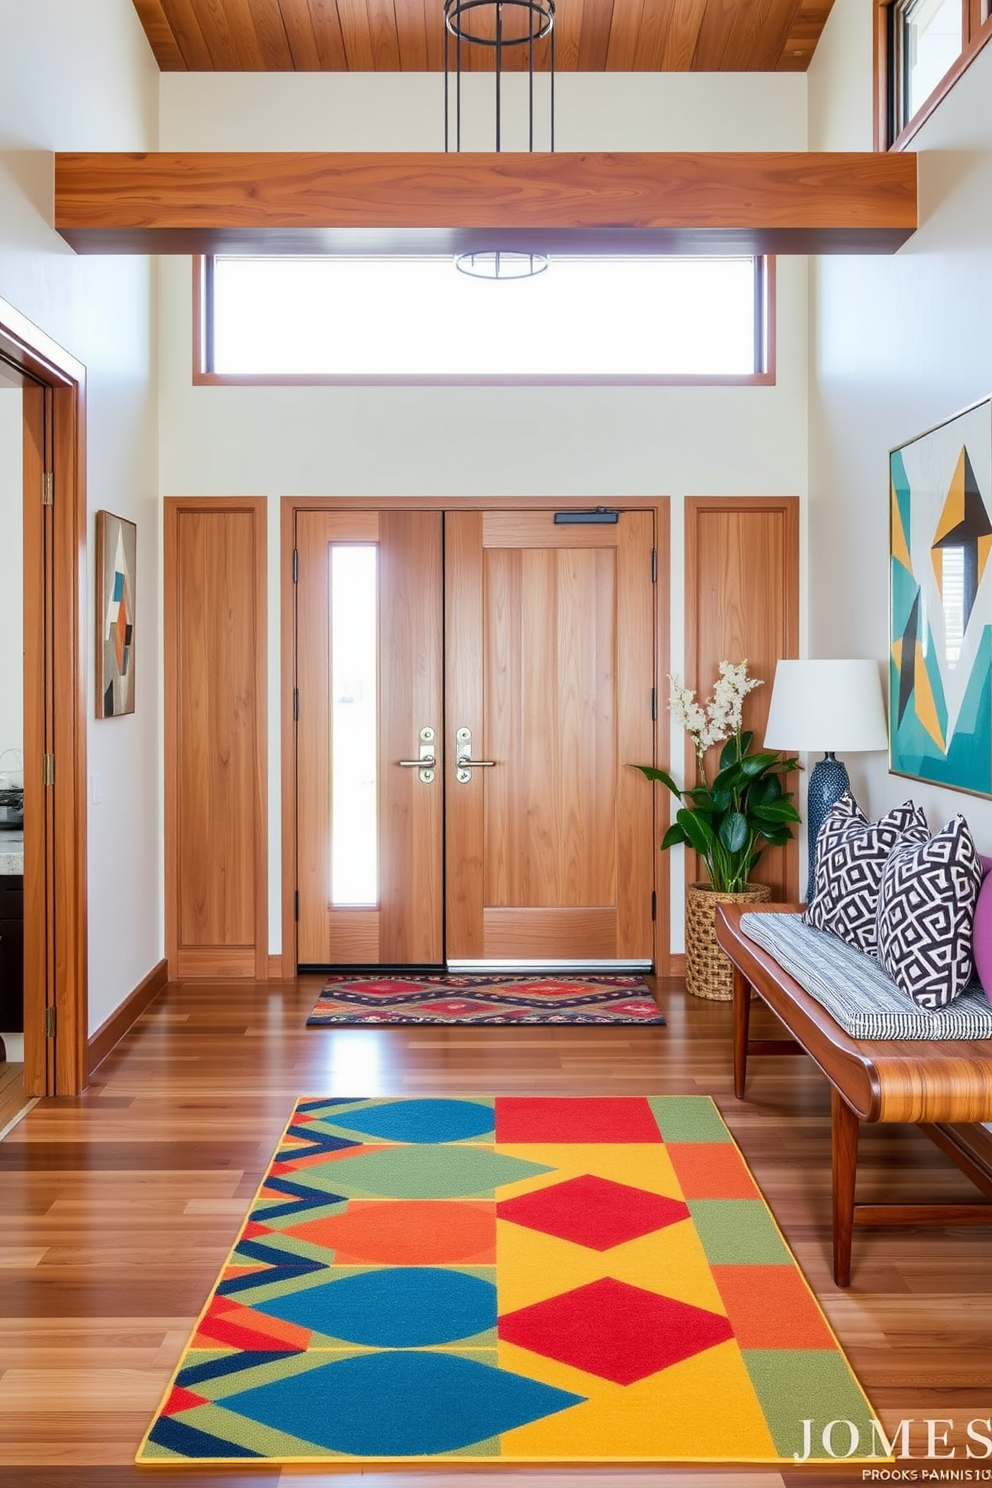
[(927, 1083)]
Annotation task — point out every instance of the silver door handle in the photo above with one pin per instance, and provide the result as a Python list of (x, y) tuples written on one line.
[(464, 763), (427, 763)]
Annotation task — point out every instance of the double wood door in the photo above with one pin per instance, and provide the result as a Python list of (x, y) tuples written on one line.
[(472, 687)]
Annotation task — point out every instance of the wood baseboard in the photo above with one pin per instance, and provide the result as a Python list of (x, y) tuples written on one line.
[(676, 964), (275, 967), (110, 1033)]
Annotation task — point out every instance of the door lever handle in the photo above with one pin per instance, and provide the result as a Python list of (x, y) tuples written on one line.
[(464, 763), (427, 763)]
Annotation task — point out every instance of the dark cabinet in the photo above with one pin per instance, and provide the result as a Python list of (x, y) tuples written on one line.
[(11, 954)]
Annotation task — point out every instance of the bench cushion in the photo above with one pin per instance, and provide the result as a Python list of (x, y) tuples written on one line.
[(854, 989)]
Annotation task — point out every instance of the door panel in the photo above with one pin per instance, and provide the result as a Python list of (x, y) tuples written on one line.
[(549, 665), (395, 843), (216, 907), (550, 696), (742, 599)]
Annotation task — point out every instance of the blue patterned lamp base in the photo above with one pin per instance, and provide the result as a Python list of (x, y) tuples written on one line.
[(827, 783)]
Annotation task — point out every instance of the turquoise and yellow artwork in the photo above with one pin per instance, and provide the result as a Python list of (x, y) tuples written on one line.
[(940, 604)]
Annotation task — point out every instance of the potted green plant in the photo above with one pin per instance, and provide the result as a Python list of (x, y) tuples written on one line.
[(728, 817)]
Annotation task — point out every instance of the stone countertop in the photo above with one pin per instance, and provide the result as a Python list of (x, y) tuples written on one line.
[(11, 853)]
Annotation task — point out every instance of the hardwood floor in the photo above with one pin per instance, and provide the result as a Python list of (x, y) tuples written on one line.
[(117, 1209), (12, 1097)]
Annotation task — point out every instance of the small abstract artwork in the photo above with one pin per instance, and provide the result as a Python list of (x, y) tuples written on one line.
[(116, 548), (940, 604)]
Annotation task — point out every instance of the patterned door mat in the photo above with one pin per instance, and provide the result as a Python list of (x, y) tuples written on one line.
[(510, 1279), (484, 999)]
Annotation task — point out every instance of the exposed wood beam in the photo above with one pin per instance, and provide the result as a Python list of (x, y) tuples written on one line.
[(368, 202)]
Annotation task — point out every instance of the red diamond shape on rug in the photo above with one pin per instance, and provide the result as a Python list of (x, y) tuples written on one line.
[(618, 1332), (594, 1212)]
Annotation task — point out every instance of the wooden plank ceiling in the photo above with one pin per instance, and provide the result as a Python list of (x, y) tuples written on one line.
[(407, 35)]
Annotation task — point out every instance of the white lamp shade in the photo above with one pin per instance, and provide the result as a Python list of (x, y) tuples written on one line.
[(829, 706)]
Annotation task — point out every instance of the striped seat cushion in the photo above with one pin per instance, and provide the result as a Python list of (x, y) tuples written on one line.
[(854, 989)]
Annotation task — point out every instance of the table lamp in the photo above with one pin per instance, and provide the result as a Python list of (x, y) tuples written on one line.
[(828, 705)]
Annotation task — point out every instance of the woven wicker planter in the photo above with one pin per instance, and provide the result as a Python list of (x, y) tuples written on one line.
[(708, 972)]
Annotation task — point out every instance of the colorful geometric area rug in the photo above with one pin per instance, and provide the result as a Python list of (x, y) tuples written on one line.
[(484, 999), (514, 1280)]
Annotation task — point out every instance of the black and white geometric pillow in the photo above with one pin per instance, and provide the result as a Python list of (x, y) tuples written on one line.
[(926, 914), (850, 856), (835, 824)]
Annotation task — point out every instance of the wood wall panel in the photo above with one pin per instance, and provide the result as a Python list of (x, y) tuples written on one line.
[(766, 202), (391, 35), (215, 703), (742, 600)]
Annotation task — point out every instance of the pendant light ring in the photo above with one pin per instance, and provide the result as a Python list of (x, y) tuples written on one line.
[(540, 19)]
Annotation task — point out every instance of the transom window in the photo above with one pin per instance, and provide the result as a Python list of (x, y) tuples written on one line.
[(931, 35), (338, 319), (930, 43)]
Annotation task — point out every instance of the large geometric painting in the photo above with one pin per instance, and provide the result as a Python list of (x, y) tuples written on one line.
[(940, 615), (116, 546)]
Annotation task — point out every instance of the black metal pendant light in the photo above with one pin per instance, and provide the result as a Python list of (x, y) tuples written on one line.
[(512, 23)]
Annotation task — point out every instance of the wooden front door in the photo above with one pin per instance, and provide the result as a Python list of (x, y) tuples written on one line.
[(529, 840), (369, 670), (550, 851)]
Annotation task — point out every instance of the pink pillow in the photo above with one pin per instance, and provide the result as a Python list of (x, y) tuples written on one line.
[(983, 929)]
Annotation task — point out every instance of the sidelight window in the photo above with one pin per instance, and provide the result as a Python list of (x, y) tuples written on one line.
[(354, 724)]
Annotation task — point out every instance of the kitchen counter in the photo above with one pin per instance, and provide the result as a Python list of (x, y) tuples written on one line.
[(11, 853)]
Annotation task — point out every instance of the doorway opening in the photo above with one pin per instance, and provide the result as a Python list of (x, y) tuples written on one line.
[(52, 891)]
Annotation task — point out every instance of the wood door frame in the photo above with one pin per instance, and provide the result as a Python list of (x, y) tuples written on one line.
[(55, 537), (290, 505), (172, 507)]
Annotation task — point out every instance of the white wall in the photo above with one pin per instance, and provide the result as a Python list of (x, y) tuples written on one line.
[(604, 442), (840, 79), (404, 111), (76, 76), (897, 345), (11, 583)]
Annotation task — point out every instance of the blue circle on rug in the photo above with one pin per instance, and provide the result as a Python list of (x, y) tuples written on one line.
[(397, 1307), (400, 1404), (422, 1120)]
